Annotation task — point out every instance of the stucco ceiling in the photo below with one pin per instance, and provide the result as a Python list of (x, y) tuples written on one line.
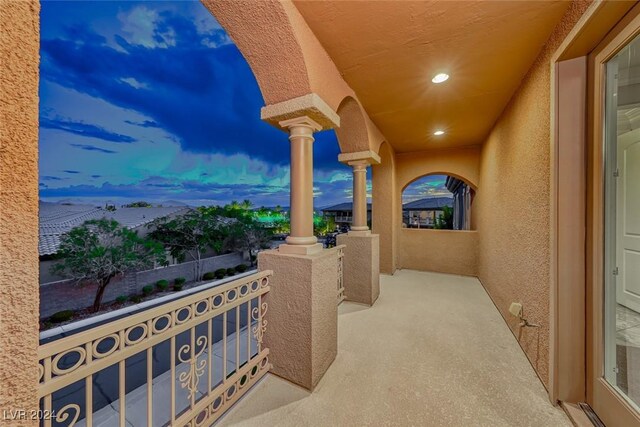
[(389, 51)]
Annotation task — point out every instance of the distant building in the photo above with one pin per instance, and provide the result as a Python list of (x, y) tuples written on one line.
[(342, 213), (462, 199), (423, 213)]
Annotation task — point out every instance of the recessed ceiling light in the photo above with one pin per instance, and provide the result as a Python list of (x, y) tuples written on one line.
[(439, 78), (438, 132)]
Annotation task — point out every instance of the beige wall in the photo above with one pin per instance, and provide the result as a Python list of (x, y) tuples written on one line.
[(513, 206), (459, 162), (385, 220), (19, 52), (443, 251)]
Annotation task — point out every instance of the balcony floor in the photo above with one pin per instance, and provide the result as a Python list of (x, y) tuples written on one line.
[(432, 351)]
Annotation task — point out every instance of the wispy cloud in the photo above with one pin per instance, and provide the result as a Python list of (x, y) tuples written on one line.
[(84, 129), (70, 171), (144, 124), (88, 147)]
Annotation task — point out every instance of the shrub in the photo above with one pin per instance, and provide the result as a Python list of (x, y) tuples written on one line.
[(177, 287), (220, 273), (210, 275), (231, 271), (241, 268), (179, 280), (162, 284), (146, 290), (61, 316), (135, 299), (121, 299)]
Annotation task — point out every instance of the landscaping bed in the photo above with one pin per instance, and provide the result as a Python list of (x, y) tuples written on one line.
[(149, 292)]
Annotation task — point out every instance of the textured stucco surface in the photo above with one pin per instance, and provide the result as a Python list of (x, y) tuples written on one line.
[(443, 251), (302, 327), (463, 163), (513, 205), (19, 55), (361, 267), (384, 207), (432, 351)]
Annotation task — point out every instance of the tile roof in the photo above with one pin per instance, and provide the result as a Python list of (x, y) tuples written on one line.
[(56, 219), (428, 203)]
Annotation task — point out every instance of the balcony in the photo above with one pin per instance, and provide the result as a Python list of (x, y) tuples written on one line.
[(433, 350)]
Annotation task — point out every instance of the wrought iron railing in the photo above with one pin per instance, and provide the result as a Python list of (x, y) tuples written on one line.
[(183, 363), (340, 250)]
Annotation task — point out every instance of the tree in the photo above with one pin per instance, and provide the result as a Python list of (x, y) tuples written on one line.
[(190, 234), (248, 236), (139, 204), (445, 221), (99, 250)]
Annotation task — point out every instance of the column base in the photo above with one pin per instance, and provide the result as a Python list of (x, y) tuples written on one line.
[(361, 266), (286, 248), (302, 315)]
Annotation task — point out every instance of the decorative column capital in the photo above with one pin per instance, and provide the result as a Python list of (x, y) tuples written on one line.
[(300, 126), (310, 105), (370, 157), (359, 165)]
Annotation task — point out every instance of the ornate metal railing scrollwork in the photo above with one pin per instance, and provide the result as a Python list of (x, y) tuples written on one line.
[(75, 360)]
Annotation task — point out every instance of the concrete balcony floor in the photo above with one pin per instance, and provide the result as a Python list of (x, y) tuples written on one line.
[(432, 351)]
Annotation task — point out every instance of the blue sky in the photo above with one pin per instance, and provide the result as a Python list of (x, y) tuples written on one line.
[(153, 101), (427, 186)]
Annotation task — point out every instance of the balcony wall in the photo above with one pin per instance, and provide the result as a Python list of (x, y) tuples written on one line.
[(19, 51), (513, 208), (442, 251)]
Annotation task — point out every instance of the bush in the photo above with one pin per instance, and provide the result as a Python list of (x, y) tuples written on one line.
[(231, 271), (121, 299), (220, 273), (162, 285), (135, 299), (210, 275), (177, 287), (241, 268), (61, 316), (179, 280), (146, 290)]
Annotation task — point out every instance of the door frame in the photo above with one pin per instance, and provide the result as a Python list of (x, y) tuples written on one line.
[(576, 222), (610, 406)]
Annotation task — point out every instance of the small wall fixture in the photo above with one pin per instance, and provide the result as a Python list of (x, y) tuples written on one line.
[(516, 310), (439, 78), (438, 132)]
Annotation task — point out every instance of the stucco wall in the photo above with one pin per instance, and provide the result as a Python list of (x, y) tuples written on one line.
[(513, 205), (19, 52), (461, 163), (454, 252), (442, 251), (384, 207)]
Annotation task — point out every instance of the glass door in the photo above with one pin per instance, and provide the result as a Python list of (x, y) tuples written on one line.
[(622, 223)]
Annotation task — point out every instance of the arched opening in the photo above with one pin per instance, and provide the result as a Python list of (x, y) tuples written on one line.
[(438, 201)]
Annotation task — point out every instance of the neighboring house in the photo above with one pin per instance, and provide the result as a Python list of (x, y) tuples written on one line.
[(462, 199), (342, 213), (423, 213), (57, 219)]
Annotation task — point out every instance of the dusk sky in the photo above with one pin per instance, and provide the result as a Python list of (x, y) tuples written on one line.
[(152, 101)]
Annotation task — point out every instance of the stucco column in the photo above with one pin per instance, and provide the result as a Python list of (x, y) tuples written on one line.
[(301, 239), (359, 222)]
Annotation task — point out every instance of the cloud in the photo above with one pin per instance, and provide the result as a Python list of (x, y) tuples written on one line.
[(51, 178), (93, 148), (207, 97), (425, 187), (144, 124), (96, 176), (70, 171), (84, 129)]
